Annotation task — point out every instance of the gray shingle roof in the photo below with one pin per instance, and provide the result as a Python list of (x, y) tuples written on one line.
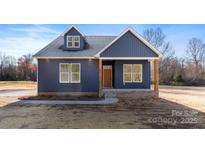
[(54, 49)]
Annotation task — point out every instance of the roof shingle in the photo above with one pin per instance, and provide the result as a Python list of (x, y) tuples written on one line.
[(54, 49)]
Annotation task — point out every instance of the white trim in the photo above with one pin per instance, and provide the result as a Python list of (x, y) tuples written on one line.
[(69, 28), (107, 67), (128, 58), (124, 73), (137, 35), (69, 73), (79, 73), (103, 58), (66, 58), (60, 74), (73, 41), (132, 74), (37, 76)]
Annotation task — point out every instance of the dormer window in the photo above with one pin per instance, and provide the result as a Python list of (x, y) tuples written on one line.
[(73, 41)]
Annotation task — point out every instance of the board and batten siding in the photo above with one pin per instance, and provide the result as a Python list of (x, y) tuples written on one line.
[(48, 76), (128, 46), (118, 71), (74, 32)]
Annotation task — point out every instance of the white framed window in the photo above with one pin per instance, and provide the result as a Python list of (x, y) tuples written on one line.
[(132, 73), (127, 72), (69, 72), (137, 72), (75, 73), (73, 41), (64, 73)]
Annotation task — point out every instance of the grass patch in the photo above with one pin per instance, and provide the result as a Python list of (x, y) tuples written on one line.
[(6, 85)]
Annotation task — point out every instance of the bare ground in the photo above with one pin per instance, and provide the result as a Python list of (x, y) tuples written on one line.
[(177, 107)]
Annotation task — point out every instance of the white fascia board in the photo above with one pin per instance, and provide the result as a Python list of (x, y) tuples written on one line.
[(137, 35), (129, 58), (65, 57), (69, 28)]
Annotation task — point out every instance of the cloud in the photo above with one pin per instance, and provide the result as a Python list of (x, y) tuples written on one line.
[(30, 40), (18, 46), (35, 29)]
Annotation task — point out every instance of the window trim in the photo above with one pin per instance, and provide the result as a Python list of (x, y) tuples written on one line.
[(132, 74), (141, 77), (60, 74), (126, 73), (70, 73), (73, 41)]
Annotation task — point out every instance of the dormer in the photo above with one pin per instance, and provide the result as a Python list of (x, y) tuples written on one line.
[(73, 39)]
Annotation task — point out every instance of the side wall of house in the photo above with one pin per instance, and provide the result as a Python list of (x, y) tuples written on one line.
[(118, 70), (48, 76)]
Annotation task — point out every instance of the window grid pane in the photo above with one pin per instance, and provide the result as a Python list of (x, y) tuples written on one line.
[(75, 77), (75, 73), (127, 77), (64, 77), (75, 68), (132, 72), (73, 41), (137, 73), (128, 68)]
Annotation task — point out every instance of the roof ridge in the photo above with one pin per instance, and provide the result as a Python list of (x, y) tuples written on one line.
[(101, 35)]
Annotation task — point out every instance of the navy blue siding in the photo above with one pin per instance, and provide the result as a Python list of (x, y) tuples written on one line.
[(118, 81), (48, 76), (74, 32), (128, 46)]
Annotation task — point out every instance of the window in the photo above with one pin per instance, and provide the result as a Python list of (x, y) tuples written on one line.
[(75, 73), (73, 41), (132, 72), (137, 73), (127, 72), (69, 73)]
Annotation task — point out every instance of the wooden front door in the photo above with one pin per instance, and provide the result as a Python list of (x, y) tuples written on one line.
[(107, 76)]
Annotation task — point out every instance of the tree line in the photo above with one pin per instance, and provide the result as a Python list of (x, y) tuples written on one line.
[(188, 70), (12, 69)]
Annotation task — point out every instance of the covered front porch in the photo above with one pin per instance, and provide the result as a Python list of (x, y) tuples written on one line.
[(113, 77)]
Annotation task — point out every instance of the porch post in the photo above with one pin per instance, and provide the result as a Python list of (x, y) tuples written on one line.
[(156, 75), (100, 78)]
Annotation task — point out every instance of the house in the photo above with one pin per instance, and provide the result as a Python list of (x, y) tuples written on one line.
[(76, 64)]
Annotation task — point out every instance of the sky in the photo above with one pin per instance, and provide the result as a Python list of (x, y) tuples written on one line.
[(19, 39)]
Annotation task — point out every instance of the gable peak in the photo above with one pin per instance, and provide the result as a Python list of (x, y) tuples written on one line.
[(71, 27)]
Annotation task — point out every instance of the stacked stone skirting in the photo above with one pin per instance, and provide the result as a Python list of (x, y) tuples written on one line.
[(135, 94)]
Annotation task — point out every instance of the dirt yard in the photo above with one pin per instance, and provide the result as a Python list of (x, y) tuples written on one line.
[(177, 107)]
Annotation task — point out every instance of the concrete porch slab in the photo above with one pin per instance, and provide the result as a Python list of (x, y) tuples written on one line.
[(68, 102)]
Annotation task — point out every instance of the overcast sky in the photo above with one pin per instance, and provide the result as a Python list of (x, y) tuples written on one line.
[(17, 40)]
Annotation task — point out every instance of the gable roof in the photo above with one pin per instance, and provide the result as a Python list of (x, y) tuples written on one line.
[(95, 46), (55, 48), (135, 34), (69, 28)]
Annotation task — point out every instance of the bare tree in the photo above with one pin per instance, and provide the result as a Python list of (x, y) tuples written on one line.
[(7, 67), (157, 38), (196, 52), (166, 66)]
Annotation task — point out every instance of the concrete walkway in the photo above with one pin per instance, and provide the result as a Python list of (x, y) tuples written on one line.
[(65, 102)]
